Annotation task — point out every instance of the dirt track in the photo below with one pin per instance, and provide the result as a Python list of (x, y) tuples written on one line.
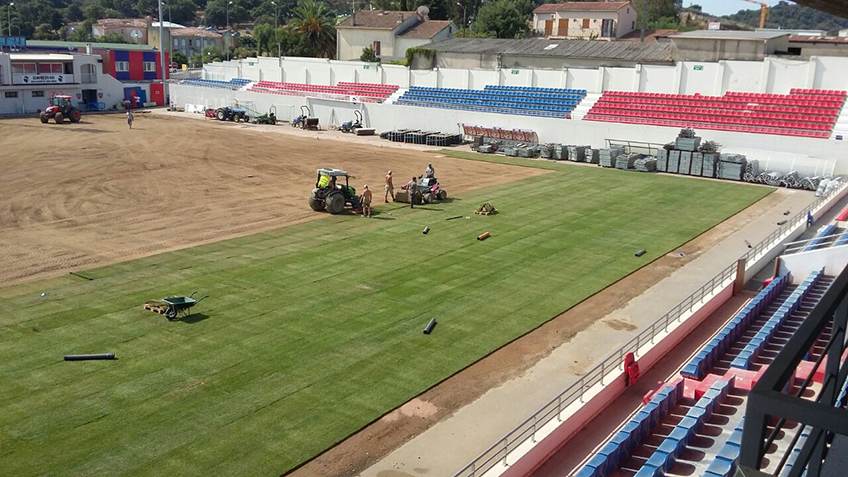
[(76, 196)]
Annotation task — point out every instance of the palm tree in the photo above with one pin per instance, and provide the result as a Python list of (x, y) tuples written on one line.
[(317, 27)]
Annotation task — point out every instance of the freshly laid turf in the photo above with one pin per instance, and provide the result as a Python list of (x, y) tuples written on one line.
[(314, 330)]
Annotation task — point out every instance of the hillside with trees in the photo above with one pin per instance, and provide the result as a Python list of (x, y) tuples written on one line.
[(791, 16)]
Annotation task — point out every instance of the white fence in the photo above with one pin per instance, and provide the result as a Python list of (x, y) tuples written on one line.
[(774, 75)]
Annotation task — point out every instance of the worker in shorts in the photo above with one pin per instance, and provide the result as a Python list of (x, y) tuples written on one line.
[(130, 118), (411, 188), (366, 201), (429, 172), (389, 188)]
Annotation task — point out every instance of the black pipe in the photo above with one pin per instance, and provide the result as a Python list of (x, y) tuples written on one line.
[(430, 325), (640, 252), (86, 357)]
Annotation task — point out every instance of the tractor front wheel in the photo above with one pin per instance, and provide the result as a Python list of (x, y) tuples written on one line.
[(315, 203), (220, 115), (59, 118), (75, 117), (443, 194), (334, 204), (43, 119)]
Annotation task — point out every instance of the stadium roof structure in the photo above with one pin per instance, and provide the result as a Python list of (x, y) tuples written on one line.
[(730, 35), (74, 45), (659, 52)]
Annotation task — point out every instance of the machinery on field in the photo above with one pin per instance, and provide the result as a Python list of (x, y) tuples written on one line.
[(427, 191), (305, 120), (270, 118), (331, 196), (228, 113), (356, 126), (60, 109)]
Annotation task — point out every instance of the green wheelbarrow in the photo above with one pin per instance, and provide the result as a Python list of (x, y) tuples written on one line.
[(179, 306)]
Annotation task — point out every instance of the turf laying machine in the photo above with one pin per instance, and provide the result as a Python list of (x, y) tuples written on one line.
[(355, 126), (428, 190), (331, 196), (305, 120)]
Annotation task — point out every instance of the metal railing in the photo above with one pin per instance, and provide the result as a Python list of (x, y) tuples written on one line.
[(499, 451)]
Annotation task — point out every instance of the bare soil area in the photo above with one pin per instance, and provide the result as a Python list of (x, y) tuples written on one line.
[(82, 195)]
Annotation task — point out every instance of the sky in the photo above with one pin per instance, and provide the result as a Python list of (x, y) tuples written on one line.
[(725, 7)]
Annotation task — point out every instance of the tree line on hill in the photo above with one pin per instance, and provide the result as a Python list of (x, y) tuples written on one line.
[(792, 16)]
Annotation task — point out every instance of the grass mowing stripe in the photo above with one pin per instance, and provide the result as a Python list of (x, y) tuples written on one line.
[(315, 330)]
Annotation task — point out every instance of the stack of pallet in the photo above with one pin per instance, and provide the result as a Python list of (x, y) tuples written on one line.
[(560, 152), (645, 164), (626, 161), (442, 139), (546, 151), (577, 153), (662, 159), (731, 167), (591, 155), (607, 157)]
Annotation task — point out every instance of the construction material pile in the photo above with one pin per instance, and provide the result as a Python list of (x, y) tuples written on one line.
[(607, 157), (417, 136), (731, 166), (793, 180), (486, 209), (687, 155), (645, 164), (577, 153), (626, 161)]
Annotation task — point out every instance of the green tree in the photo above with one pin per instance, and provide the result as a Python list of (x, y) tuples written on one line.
[(74, 12), (369, 55), (112, 37), (179, 58), (317, 25), (45, 32), (216, 12), (504, 19), (181, 11), (264, 36)]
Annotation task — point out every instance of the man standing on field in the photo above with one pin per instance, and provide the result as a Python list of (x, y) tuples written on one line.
[(389, 188), (130, 118), (366, 202)]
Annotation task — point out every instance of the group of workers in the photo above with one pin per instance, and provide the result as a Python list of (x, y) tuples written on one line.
[(411, 187)]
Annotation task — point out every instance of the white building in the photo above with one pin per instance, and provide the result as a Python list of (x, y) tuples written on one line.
[(592, 20), (28, 81), (388, 33)]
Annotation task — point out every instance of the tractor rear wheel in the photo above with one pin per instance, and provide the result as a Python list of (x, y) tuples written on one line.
[(59, 118), (315, 203), (443, 194), (334, 203)]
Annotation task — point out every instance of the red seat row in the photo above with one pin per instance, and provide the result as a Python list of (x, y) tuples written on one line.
[(718, 127), (803, 112), (343, 90)]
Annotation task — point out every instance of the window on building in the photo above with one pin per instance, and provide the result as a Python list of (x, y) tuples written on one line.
[(11, 94), (376, 47), (49, 68), (633, 25), (69, 68), (23, 68), (149, 66), (38, 94), (88, 73), (585, 23), (122, 66)]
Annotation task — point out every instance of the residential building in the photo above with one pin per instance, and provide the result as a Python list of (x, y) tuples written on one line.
[(388, 33), (584, 20), (192, 41), (124, 62), (133, 30)]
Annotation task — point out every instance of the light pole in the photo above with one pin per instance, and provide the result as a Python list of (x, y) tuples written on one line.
[(227, 33), (277, 26), (464, 22), (9, 11), (162, 58)]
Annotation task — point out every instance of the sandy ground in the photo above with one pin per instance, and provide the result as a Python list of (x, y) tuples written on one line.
[(78, 196)]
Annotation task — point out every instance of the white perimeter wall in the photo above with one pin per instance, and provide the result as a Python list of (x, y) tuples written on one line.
[(774, 75), (806, 155)]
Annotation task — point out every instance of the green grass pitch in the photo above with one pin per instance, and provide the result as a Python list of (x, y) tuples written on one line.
[(314, 330)]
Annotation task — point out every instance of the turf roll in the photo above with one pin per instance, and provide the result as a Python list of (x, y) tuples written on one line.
[(640, 252), (484, 236), (89, 357), (426, 230), (428, 328)]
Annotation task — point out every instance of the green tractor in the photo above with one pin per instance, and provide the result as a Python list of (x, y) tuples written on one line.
[(331, 196)]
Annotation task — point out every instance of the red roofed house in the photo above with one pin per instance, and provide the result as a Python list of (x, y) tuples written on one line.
[(389, 33), (589, 20)]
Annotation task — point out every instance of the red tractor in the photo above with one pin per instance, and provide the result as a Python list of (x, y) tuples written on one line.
[(60, 109)]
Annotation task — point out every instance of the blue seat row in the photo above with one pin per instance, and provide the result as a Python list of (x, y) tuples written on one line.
[(518, 92), (841, 240), (724, 464), (666, 454), (744, 359), (533, 89), (233, 84), (485, 109), (484, 101), (820, 237), (699, 365), (492, 97), (631, 435)]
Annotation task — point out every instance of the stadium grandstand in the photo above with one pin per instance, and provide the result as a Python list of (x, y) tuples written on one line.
[(747, 374)]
